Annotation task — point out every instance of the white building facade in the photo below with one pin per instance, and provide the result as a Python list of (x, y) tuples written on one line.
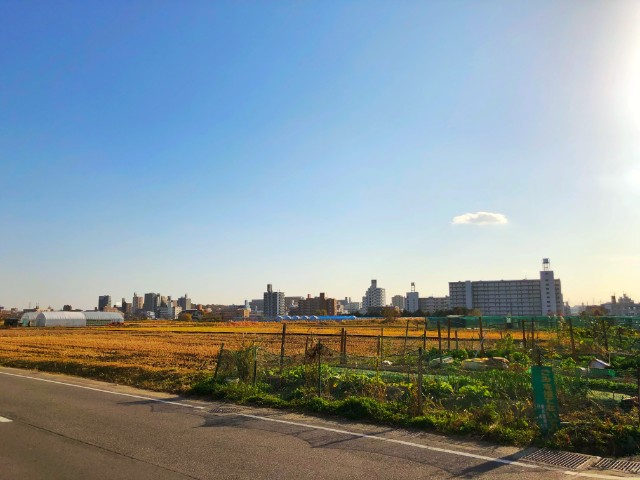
[(510, 297), (413, 302), (374, 296)]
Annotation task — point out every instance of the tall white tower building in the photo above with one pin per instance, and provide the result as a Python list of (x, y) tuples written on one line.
[(374, 296), (413, 299)]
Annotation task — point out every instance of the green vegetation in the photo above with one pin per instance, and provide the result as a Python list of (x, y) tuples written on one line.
[(373, 378)]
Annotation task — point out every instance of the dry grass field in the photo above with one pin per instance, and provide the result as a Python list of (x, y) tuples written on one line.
[(150, 352)]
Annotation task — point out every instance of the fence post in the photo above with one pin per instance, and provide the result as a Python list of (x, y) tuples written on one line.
[(424, 334), (533, 333), (439, 341), (215, 374), (481, 336), (620, 337), (282, 346), (379, 356), (420, 380), (524, 335), (381, 345), (343, 347), (255, 364), (319, 350), (573, 344), (448, 334)]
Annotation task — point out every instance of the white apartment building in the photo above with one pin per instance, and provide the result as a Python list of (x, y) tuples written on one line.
[(510, 297), (374, 296), (413, 302)]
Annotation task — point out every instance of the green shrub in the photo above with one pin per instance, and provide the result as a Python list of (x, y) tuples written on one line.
[(437, 389), (474, 394)]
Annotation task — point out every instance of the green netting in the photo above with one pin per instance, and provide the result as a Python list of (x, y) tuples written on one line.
[(540, 322)]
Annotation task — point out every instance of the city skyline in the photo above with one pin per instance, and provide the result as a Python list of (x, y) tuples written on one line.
[(215, 148), (410, 303)]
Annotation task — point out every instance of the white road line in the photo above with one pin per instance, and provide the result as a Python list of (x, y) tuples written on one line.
[(105, 391), (344, 432), (5, 420)]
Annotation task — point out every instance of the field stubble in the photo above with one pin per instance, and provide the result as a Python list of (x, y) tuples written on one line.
[(177, 349)]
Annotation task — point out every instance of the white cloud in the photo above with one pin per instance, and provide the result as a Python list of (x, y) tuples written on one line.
[(480, 218)]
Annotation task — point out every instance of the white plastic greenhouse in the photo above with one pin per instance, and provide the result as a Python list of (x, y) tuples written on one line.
[(28, 319), (60, 319)]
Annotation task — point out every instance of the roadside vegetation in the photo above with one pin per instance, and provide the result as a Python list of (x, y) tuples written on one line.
[(375, 377)]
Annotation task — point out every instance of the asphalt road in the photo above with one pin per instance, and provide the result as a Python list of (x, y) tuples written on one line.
[(58, 427)]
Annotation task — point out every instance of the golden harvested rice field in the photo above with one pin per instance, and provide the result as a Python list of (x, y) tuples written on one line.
[(187, 348)]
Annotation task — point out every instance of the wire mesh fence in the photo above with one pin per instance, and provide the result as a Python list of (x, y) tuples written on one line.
[(440, 364)]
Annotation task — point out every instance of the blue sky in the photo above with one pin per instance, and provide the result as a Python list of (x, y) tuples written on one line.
[(215, 147)]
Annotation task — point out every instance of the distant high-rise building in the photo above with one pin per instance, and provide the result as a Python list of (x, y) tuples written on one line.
[(104, 301), (273, 303), (184, 302), (137, 304), (515, 297), (399, 301), (151, 302), (374, 296)]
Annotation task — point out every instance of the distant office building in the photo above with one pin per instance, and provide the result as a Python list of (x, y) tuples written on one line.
[(433, 304), (510, 297), (273, 303), (137, 303), (317, 306), (151, 302), (103, 302), (399, 301), (184, 302), (374, 296)]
